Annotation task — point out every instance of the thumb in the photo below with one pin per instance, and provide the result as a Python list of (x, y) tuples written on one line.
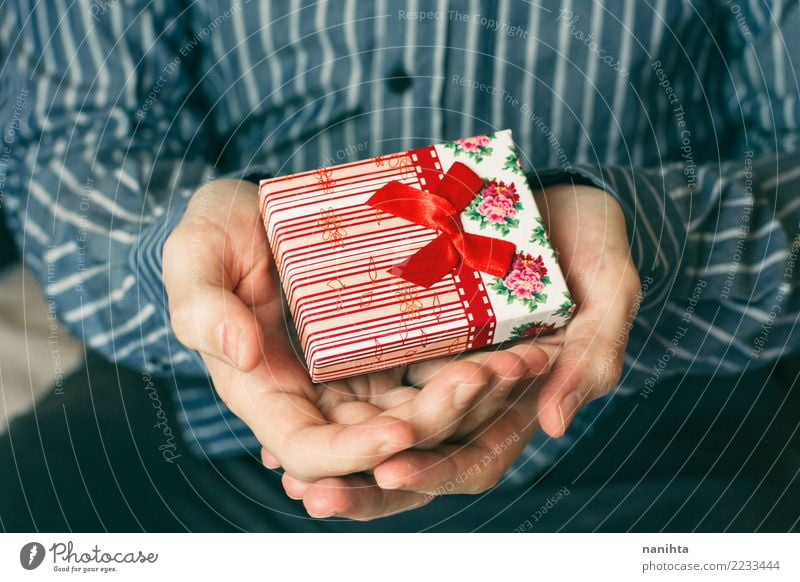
[(206, 315), (588, 365), (580, 374)]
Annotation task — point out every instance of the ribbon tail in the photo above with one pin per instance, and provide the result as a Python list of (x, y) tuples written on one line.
[(486, 254), (430, 263), (459, 186)]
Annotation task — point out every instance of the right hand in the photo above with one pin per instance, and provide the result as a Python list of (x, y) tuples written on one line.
[(587, 358), (225, 302)]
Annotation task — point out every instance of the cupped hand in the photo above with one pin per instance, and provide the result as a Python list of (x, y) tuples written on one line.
[(225, 302), (588, 229)]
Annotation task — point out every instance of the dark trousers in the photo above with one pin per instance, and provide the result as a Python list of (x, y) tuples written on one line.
[(696, 455)]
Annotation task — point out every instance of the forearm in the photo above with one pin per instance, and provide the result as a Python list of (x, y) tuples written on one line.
[(86, 177)]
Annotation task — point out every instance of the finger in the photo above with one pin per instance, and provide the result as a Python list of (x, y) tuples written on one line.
[(384, 399), (339, 405), (470, 468), (420, 373), (268, 460), (357, 497), (437, 410), (278, 408), (595, 256), (381, 389), (217, 323), (508, 369), (589, 363), (204, 312), (537, 353), (353, 412), (394, 397), (294, 488), (533, 358), (310, 448)]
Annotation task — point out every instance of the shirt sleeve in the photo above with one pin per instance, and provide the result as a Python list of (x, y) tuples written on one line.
[(716, 244), (102, 151)]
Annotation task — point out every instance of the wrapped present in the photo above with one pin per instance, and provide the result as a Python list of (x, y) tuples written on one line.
[(415, 255)]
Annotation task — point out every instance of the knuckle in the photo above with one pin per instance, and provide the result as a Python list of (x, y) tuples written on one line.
[(632, 283), (181, 318), (479, 488), (174, 247), (296, 469), (605, 376), (514, 364), (170, 245), (488, 479), (486, 484), (496, 475), (612, 374), (465, 371), (296, 463)]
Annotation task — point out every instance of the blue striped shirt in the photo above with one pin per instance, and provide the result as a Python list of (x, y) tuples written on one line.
[(687, 112)]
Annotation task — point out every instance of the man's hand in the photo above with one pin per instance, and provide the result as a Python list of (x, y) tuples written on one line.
[(413, 478), (588, 230), (226, 303)]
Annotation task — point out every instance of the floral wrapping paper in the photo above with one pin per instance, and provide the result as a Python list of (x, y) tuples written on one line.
[(334, 254)]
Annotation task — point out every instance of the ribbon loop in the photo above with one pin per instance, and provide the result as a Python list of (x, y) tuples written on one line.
[(441, 211)]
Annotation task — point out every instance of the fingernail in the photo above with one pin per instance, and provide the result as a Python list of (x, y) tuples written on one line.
[(390, 484), (465, 393), (568, 408), (230, 342)]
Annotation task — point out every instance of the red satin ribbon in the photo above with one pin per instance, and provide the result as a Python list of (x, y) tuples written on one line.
[(441, 211)]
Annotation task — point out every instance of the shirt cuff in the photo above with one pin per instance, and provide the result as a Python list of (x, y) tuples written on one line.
[(644, 256), (597, 177), (164, 356)]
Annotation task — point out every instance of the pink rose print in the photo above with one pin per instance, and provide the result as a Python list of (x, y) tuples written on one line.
[(497, 209), (474, 147), (496, 205), (526, 275), (473, 144), (525, 282)]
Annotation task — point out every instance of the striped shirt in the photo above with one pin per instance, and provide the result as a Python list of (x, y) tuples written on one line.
[(686, 111)]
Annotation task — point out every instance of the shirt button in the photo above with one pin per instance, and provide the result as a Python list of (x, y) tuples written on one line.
[(398, 80)]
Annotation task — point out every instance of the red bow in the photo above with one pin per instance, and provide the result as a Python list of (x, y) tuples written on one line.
[(441, 211)]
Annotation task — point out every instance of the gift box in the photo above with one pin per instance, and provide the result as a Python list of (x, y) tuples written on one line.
[(415, 255)]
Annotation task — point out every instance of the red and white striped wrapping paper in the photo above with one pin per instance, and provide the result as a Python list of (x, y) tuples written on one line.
[(334, 252)]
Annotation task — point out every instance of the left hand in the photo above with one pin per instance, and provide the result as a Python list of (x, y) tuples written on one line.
[(586, 358)]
